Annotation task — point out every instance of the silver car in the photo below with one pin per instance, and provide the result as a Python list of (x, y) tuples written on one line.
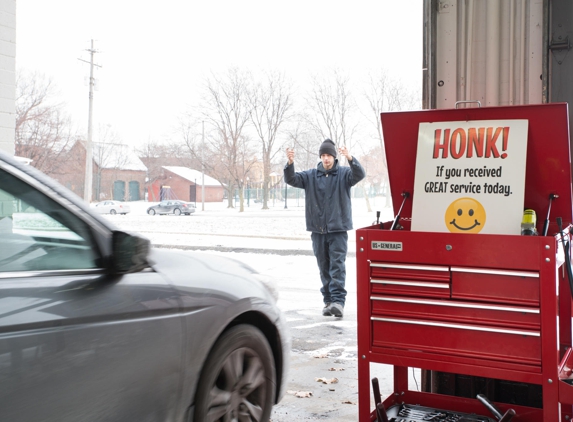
[(112, 207), (97, 326), (172, 206)]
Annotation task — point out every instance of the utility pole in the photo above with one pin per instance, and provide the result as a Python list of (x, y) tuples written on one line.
[(88, 181)]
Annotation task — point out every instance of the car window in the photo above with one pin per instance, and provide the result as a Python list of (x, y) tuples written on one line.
[(38, 234)]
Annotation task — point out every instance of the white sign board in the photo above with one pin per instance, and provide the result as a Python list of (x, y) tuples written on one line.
[(470, 177)]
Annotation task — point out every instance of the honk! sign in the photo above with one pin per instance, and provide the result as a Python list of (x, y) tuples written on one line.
[(470, 177)]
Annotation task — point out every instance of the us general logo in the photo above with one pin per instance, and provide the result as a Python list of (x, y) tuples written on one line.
[(465, 215)]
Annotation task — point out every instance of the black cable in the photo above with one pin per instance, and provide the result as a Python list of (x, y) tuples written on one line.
[(567, 252)]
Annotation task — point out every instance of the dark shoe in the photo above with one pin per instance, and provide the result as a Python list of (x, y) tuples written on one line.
[(337, 309), (326, 310)]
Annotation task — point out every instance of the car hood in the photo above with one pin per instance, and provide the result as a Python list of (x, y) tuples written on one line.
[(207, 274)]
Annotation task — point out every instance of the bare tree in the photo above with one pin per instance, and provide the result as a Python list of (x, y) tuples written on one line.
[(384, 93), (43, 130), (331, 109), (109, 153), (270, 103), (306, 144), (376, 170), (227, 111), (157, 154), (333, 112), (152, 154)]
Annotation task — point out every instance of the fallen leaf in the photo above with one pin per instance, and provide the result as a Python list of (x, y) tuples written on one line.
[(348, 402), (322, 356), (300, 394), (303, 394), (327, 381), (336, 369)]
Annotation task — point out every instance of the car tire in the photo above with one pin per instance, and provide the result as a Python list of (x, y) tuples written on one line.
[(151, 212), (112, 212), (177, 211), (238, 379)]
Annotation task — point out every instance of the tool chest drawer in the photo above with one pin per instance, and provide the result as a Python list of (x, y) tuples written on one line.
[(455, 339), (410, 280), (519, 317), (511, 287)]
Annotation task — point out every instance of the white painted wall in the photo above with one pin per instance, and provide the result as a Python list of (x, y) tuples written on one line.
[(7, 74)]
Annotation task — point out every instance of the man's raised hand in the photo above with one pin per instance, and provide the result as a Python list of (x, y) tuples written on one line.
[(290, 155)]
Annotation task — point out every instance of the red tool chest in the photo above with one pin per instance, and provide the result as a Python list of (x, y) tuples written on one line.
[(484, 305)]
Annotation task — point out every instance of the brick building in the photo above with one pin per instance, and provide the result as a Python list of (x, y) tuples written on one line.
[(185, 184), (118, 173)]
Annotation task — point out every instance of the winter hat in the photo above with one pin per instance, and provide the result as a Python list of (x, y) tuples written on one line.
[(327, 147)]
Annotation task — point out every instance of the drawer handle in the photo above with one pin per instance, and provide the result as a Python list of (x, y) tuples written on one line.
[(459, 326), (411, 283), (457, 304), (410, 267), (495, 272)]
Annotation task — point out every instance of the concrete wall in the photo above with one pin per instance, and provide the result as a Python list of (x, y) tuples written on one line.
[(7, 74)]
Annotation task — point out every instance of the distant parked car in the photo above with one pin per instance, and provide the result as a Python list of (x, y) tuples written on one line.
[(112, 207), (172, 207)]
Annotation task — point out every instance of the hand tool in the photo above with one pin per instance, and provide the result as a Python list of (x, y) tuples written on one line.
[(380, 411), (406, 195), (552, 196)]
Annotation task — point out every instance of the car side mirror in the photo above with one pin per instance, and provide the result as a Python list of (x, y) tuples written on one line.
[(129, 253)]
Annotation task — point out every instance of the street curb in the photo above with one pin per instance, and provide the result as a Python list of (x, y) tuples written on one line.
[(282, 252)]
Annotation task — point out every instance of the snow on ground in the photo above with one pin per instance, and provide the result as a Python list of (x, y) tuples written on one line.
[(214, 225)]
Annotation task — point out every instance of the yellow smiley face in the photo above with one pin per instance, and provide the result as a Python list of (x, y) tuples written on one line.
[(465, 215)]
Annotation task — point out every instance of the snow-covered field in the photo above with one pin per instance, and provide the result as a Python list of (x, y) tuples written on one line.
[(217, 226)]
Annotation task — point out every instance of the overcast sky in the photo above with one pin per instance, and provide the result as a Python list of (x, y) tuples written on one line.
[(156, 54)]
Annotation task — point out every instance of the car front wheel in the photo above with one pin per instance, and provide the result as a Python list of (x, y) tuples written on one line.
[(151, 212), (238, 380)]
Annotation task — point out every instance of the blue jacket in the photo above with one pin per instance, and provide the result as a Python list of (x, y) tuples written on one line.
[(327, 194)]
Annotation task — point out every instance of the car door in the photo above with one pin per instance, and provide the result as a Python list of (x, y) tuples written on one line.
[(164, 207), (77, 344)]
